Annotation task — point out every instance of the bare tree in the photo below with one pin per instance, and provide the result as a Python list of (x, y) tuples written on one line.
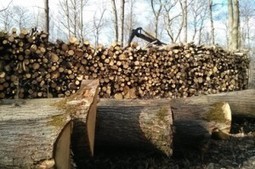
[(130, 20), (98, 24), (198, 10), (21, 17), (5, 8), (47, 18), (234, 22), (212, 36), (115, 20), (156, 9), (122, 20), (247, 12), (6, 17), (173, 21), (185, 19), (73, 12)]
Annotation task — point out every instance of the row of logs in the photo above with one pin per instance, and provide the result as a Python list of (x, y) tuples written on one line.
[(33, 67)]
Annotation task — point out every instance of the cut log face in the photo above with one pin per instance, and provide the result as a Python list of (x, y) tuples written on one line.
[(145, 124), (34, 134)]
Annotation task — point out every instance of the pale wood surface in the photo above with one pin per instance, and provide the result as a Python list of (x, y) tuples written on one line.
[(29, 130)]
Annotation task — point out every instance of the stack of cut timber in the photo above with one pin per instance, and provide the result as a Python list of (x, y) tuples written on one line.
[(32, 67)]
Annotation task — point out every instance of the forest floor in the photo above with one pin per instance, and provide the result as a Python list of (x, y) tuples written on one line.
[(237, 151)]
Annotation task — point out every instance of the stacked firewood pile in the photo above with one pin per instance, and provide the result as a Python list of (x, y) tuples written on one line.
[(32, 67)]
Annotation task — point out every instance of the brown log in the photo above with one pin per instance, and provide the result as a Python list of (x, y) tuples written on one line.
[(145, 124)]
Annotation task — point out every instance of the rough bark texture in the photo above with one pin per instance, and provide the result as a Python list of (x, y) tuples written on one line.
[(34, 134), (37, 133), (122, 122), (145, 124), (241, 102), (195, 122), (116, 26)]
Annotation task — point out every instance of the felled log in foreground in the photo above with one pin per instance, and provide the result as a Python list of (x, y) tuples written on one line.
[(242, 103), (195, 122), (127, 122), (37, 133), (34, 134), (144, 124)]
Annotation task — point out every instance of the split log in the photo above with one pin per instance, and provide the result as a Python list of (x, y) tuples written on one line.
[(145, 124), (34, 134), (82, 108), (37, 133)]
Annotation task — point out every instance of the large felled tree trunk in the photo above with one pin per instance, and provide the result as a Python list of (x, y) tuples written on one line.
[(34, 134), (143, 124), (130, 123), (241, 102), (195, 122), (37, 133)]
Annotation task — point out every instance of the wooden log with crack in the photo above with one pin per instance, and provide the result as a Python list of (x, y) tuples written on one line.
[(37, 133)]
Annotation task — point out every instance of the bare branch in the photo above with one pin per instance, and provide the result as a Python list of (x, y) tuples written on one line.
[(6, 6)]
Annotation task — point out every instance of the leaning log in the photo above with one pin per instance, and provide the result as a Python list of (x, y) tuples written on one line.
[(37, 133), (144, 124)]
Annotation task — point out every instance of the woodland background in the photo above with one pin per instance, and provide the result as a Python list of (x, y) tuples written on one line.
[(229, 23)]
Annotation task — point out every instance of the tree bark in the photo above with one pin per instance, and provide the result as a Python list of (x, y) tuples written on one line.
[(241, 102), (185, 24), (236, 23), (37, 133), (125, 123), (34, 134), (195, 122), (144, 124), (47, 18), (116, 27), (122, 22), (233, 24), (211, 21)]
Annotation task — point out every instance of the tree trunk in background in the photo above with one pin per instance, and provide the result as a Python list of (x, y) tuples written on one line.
[(156, 14), (236, 23), (185, 25), (233, 23), (81, 27), (116, 27), (68, 18), (122, 19), (47, 18), (211, 20)]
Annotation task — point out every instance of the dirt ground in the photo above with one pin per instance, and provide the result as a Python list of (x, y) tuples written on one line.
[(237, 151)]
